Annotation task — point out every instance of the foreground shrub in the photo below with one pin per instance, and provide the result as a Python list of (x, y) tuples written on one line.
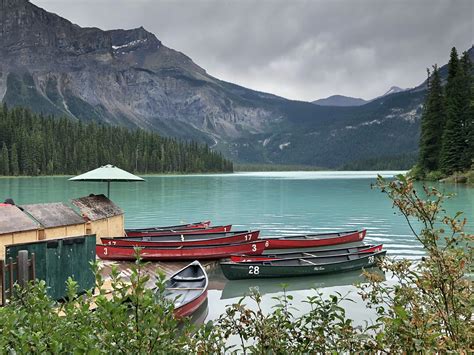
[(431, 305), (130, 319)]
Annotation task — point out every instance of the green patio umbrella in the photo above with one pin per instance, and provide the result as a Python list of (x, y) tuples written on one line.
[(107, 173)]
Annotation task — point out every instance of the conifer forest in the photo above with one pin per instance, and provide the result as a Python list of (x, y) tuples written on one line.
[(31, 144)]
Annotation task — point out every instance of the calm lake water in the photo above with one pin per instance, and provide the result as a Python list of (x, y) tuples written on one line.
[(277, 203)]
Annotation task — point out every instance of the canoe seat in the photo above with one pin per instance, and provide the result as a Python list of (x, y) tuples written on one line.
[(189, 278)]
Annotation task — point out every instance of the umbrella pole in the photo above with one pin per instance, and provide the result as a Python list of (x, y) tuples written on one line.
[(108, 189)]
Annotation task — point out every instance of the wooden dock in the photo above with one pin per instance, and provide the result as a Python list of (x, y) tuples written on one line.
[(152, 269)]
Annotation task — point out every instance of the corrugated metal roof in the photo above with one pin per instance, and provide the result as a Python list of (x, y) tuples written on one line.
[(107, 173), (53, 214), (12, 219), (97, 207)]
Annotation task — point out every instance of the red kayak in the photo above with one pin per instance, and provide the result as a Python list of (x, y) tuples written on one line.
[(315, 240), (203, 224), (184, 239), (187, 289), (216, 229), (308, 253), (109, 252)]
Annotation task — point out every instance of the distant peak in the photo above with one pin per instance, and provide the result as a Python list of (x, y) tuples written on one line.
[(340, 100), (394, 90)]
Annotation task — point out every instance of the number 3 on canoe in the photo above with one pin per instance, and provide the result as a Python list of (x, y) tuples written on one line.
[(254, 270), (254, 247), (105, 251)]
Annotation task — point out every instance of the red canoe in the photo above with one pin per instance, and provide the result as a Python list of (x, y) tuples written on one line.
[(187, 289), (203, 224), (315, 240), (184, 239), (216, 229), (110, 252), (308, 253)]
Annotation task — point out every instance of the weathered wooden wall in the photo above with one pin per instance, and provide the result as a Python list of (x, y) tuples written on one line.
[(15, 238), (106, 218), (15, 227)]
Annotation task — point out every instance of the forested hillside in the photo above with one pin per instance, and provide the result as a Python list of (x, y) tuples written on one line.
[(391, 162), (35, 145)]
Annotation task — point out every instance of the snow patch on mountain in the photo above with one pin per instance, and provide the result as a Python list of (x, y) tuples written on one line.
[(370, 123), (130, 44)]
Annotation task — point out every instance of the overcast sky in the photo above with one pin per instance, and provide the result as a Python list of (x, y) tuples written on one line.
[(294, 48)]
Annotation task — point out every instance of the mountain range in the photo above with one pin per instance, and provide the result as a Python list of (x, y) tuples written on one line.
[(341, 100), (129, 78)]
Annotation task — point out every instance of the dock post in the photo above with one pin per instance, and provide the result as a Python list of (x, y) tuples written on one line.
[(32, 269), (23, 268), (2, 283)]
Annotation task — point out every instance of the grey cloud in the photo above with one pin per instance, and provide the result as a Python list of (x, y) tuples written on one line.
[(298, 49)]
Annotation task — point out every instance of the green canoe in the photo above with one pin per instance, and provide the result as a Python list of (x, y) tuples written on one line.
[(300, 267)]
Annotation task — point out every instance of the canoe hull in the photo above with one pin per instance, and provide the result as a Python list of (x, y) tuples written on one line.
[(294, 242), (185, 240), (203, 224), (110, 252), (188, 309), (238, 271), (187, 289), (307, 253), (157, 233)]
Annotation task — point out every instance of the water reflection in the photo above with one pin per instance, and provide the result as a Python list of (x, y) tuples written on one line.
[(200, 315), (240, 288)]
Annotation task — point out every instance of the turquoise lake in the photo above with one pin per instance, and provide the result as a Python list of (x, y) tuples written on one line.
[(277, 203)]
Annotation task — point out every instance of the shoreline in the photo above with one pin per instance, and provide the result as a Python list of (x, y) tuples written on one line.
[(212, 173), (464, 178)]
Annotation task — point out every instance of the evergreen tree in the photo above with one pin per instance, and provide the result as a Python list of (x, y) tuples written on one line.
[(4, 161), (453, 68), (15, 168), (467, 109), (470, 135), (454, 140), (432, 122)]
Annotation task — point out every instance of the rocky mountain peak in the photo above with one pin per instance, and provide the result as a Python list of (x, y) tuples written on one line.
[(26, 29), (13, 3)]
